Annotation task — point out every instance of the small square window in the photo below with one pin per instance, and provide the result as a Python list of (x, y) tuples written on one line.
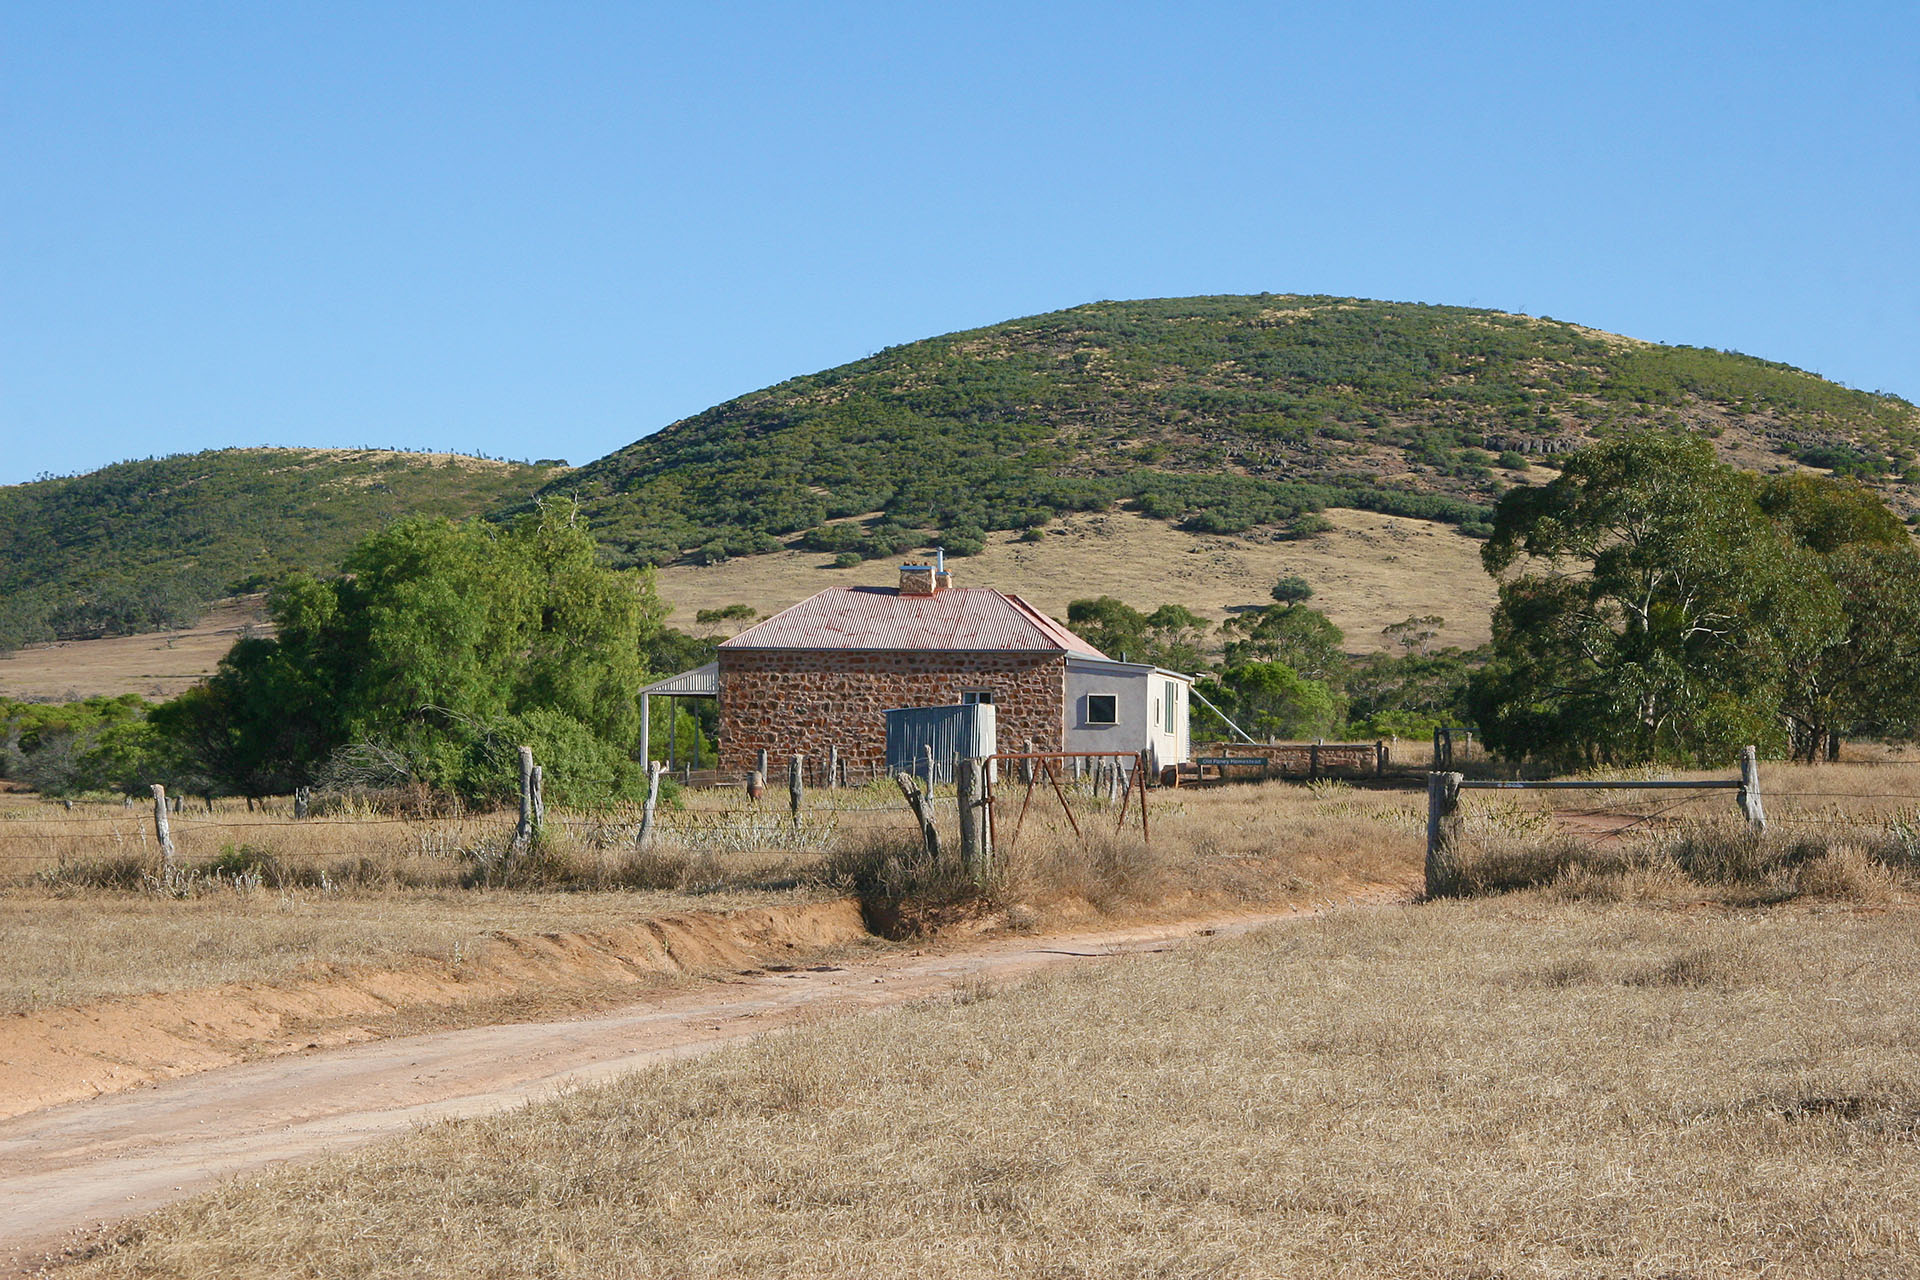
[(976, 697), (1103, 708)]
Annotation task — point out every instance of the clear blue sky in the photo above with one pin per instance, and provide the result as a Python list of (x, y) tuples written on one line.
[(544, 230)]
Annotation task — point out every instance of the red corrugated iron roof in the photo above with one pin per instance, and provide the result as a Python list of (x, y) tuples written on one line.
[(967, 619)]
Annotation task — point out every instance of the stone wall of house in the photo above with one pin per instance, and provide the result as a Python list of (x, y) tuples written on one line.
[(807, 700)]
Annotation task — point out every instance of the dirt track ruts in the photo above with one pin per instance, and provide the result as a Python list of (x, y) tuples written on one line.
[(70, 1171)]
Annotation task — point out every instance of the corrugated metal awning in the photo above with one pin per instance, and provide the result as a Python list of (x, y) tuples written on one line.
[(701, 682)]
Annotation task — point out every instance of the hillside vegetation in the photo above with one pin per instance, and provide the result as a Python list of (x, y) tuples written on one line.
[(142, 546), (1223, 414)]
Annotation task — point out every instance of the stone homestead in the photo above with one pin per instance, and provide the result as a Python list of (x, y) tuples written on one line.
[(824, 673)]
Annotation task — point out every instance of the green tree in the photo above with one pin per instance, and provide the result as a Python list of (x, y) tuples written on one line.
[(1112, 626), (1869, 678), (1416, 634), (1302, 638), (1177, 638), (1172, 636), (1273, 700), (1408, 694), (438, 650), (1648, 610), (1292, 589)]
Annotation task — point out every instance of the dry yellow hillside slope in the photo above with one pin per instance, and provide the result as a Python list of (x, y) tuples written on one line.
[(1368, 571)]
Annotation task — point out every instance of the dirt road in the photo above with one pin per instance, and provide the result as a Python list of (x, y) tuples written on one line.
[(69, 1172)]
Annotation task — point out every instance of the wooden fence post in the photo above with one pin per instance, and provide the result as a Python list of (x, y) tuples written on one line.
[(966, 788), (1313, 760), (1749, 795), (833, 767), (302, 803), (796, 786), (1141, 769), (1026, 766), (654, 769), (524, 832), (1443, 833), (169, 870), (916, 801), (1379, 759), (539, 799), (970, 794), (762, 765), (926, 758)]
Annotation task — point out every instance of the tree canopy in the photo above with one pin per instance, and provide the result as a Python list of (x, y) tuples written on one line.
[(1657, 604), (440, 648)]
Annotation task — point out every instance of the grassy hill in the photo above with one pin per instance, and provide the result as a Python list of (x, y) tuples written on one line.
[(142, 546), (1221, 414), (1237, 417)]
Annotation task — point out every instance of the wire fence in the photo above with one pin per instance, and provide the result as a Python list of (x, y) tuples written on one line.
[(1873, 810), (37, 832)]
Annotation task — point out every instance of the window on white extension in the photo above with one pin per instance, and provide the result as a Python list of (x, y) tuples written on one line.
[(1103, 708)]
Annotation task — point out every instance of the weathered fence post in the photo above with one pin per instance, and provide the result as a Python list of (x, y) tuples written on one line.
[(1313, 761), (524, 832), (539, 799), (1113, 781), (796, 786), (762, 765), (169, 872), (645, 839), (302, 803), (926, 758), (976, 841), (916, 801), (1141, 770), (1379, 759), (833, 768), (1026, 766), (1749, 795), (1443, 833)]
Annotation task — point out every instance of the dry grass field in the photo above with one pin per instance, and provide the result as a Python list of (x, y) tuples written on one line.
[(278, 936), (1522, 1086), (157, 665), (1369, 571), (84, 918)]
